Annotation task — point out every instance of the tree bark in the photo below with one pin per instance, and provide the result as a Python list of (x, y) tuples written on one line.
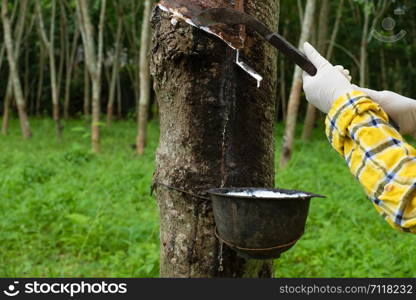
[(18, 33), (216, 129), (143, 108), (3, 46), (17, 86), (294, 97)]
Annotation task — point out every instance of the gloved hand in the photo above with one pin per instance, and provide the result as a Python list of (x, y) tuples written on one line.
[(401, 109), (327, 85), (344, 72)]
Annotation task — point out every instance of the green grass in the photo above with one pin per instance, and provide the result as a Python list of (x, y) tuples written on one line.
[(66, 212)]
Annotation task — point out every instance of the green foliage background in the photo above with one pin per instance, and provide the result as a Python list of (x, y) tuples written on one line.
[(66, 212)]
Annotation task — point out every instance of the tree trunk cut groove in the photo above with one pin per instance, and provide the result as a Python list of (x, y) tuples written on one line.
[(216, 129)]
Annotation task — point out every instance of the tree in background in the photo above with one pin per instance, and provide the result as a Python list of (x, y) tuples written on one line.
[(18, 33), (295, 93), (94, 62), (49, 44), (14, 73), (143, 109), (42, 83)]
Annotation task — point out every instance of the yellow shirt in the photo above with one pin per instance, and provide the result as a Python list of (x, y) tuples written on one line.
[(377, 156)]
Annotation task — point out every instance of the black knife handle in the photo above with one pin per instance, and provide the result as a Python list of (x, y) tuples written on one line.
[(306, 65), (292, 53)]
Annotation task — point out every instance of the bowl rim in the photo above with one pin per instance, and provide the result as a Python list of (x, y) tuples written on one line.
[(222, 193)]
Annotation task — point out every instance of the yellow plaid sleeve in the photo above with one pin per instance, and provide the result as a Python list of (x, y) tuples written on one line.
[(377, 156)]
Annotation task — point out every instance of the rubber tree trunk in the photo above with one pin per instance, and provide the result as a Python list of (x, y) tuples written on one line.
[(17, 86), (50, 47), (143, 108), (216, 129), (18, 34), (295, 92), (94, 60)]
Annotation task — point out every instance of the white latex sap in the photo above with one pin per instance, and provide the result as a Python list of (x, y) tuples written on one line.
[(266, 194)]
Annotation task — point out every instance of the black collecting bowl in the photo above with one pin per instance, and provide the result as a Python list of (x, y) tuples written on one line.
[(260, 226)]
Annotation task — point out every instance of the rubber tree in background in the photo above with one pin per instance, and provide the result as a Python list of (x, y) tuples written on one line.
[(49, 44), (14, 73), (17, 34), (143, 108), (216, 129), (94, 62), (295, 92)]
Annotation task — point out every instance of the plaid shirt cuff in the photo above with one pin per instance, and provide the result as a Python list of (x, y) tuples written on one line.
[(343, 112), (377, 156)]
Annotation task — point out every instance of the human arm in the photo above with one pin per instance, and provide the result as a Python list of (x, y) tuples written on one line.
[(377, 155), (401, 109), (359, 130)]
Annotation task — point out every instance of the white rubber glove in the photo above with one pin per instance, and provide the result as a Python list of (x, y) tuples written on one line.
[(327, 85), (344, 72), (401, 109)]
